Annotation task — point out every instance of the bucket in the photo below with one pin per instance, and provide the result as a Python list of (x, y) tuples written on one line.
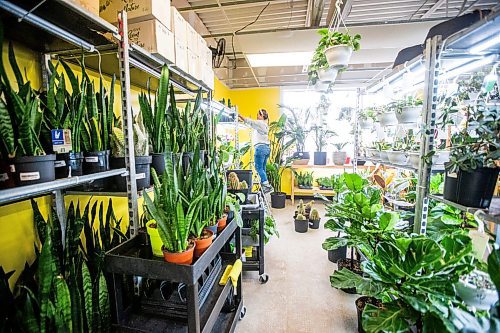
[(154, 237)]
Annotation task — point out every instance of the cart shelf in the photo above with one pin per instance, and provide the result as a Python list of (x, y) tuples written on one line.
[(491, 215)]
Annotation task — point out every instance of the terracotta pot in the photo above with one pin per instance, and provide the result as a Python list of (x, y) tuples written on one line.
[(221, 224), (203, 242), (182, 258)]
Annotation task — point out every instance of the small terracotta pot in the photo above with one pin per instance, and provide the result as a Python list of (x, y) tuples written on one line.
[(203, 243), (221, 224), (182, 258)]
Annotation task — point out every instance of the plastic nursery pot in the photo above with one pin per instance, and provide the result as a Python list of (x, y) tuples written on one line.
[(384, 156), (301, 226), (471, 188), (360, 307), (278, 200), (338, 56), (221, 223), (31, 170), (398, 157), (319, 158), (354, 266), (388, 118), (95, 161), (142, 172), (202, 243), (154, 237), (409, 114), (6, 175), (76, 164), (314, 224), (337, 254), (339, 157), (62, 166), (158, 162), (180, 258)]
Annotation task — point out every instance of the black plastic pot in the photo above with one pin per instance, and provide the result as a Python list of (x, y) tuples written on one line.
[(34, 169), (301, 225), (243, 175), (361, 162), (337, 254), (319, 158), (76, 164), (142, 171), (6, 174), (158, 162), (94, 162), (62, 166), (314, 224), (471, 188), (301, 155), (360, 307), (278, 200)]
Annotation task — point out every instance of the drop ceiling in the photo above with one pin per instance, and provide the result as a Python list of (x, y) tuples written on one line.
[(386, 26)]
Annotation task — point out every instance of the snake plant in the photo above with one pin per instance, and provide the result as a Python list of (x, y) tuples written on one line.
[(141, 145)]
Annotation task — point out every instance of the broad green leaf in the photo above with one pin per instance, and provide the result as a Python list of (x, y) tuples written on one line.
[(390, 318), (333, 243), (354, 182)]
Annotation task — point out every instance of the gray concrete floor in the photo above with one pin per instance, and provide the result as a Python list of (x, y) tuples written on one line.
[(298, 296)]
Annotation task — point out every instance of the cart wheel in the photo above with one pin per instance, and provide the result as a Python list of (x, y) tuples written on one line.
[(263, 278), (243, 312)]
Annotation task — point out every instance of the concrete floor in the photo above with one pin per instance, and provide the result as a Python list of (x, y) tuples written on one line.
[(298, 296)]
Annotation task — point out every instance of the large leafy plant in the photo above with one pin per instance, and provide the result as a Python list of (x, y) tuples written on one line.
[(297, 126), (321, 136)]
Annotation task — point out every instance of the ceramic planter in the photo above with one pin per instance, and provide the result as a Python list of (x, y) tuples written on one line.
[(301, 158), (278, 200), (31, 170), (387, 118), (409, 114), (301, 226), (384, 156), (327, 75), (339, 157), (154, 237), (480, 298), (203, 243), (366, 123), (180, 258), (319, 158), (398, 157), (338, 56)]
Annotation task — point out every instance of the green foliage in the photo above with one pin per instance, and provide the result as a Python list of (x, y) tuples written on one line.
[(300, 217), (270, 229), (304, 178), (141, 144), (321, 135), (296, 126), (314, 216), (368, 113)]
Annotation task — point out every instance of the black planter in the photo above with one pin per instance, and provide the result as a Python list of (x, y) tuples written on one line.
[(6, 174), (62, 166), (142, 171), (76, 164), (34, 169), (243, 175), (301, 155), (471, 188), (301, 226), (337, 254), (361, 162), (319, 158), (314, 224), (278, 200), (94, 162), (158, 162)]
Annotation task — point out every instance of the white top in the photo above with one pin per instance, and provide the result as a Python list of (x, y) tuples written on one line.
[(260, 133)]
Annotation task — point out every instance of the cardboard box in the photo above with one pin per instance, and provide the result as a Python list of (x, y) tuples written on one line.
[(90, 5), (209, 77), (192, 41), (206, 54), (193, 64), (154, 37), (178, 25), (137, 10), (202, 45), (181, 55)]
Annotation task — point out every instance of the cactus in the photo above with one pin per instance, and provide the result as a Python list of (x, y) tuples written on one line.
[(314, 215), (301, 203), (301, 208), (117, 142), (300, 217), (309, 205), (233, 183), (243, 185), (141, 146)]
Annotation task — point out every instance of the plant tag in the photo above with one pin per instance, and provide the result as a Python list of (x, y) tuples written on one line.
[(479, 244), (452, 174), (59, 164), (140, 176), (12, 168), (4, 177), (25, 176), (92, 159), (61, 140)]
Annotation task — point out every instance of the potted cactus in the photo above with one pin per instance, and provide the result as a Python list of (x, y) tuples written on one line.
[(142, 157), (301, 223), (339, 156), (301, 209), (314, 219)]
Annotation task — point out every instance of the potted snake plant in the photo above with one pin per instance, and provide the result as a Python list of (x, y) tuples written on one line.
[(20, 128)]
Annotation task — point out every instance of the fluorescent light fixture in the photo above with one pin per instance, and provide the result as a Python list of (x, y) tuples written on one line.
[(468, 67), (279, 59), (485, 44)]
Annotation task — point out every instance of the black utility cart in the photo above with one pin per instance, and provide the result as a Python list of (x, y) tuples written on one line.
[(151, 295)]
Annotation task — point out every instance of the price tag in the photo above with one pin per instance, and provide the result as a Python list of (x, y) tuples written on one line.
[(61, 140), (140, 176), (91, 159), (59, 164), (25, 176)]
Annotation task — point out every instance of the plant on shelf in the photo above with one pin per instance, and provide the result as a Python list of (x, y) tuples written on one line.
[(324, 183), (470, 89), (367, 118), (321, 137), (270, 229), (339, 156), (408, 110), (304, 179), (141, 144), (296, 130)]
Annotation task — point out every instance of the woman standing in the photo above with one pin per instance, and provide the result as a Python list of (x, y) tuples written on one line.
[(260, 139)]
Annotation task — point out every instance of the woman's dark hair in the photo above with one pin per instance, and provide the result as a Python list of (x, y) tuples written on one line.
[(264, 114)]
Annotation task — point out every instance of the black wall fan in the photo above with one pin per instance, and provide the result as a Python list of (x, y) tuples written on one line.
[(218, 53)]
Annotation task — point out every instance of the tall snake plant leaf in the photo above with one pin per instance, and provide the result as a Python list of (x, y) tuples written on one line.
[(7, 312), (6, 131), (72, 78), (15, 67), (75, 295), (62, 305), (104, 308), (102, 227), (26, 315), (40, 224), (87, 296), (45, 276), (57, 246)]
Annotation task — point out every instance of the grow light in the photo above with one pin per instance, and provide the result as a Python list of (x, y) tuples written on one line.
[(279, 59), (485, 44), (468, 67)]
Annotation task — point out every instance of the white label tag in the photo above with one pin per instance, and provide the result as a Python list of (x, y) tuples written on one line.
[(140, 176), (12, 168), (59, 164), (92, 159), (24, 176), (4, 177)]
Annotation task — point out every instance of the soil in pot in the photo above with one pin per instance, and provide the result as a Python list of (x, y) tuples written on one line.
[(182, 258), (76, 164), (278, 200), (142, 172), (319, 158), (360, 306), (301, 225), (154, 237), (203, 242), (337, 254), (221, 223), (6, 175), (62, 166), (31, 170), (314, 224), (354, 266), (301, 157)]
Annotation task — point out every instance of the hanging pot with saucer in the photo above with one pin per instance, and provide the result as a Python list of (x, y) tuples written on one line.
[(338, 55)]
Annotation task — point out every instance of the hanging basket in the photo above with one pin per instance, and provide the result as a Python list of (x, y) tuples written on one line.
[(338, 56), (328, 75)]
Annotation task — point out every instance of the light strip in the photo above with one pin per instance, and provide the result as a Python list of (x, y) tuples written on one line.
[(279, 59), (485, 44), (468, 67)]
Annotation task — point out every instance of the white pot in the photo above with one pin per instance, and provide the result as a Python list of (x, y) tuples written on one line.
[(442, 157), (480, 298), (409, 114), (366, 123), (339, 55), (328, 75), (414, 159), (384, 156), (339, 157), (388, 118), (398, 157), (373, 153)]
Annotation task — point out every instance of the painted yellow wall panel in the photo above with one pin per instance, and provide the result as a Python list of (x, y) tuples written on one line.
[(28, 63), (249, 101), (221, 91)]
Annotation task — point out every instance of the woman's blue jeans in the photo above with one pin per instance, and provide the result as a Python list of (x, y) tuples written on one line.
[(262, 152)]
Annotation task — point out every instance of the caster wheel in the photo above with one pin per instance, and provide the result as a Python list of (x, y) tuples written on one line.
[(243, 312), (263, 278)]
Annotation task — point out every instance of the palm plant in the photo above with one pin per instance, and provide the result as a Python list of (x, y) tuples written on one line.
[(321, 135), (296, 126)]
